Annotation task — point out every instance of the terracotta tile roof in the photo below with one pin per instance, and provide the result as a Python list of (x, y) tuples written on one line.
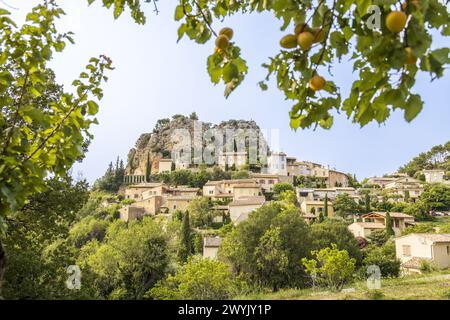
[(370, 225), (414, 263), (432, 237), (393, 214), (257, 200)]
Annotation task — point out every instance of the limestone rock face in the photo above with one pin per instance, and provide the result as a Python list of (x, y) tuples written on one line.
[(159, 143)]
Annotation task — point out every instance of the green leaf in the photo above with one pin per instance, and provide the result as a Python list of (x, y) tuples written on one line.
[(230, 72), (413, 106), (179, 12), (92, 107)]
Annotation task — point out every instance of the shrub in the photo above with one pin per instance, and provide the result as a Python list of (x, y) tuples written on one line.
[(383, 257), (198, 279), (331, 267)]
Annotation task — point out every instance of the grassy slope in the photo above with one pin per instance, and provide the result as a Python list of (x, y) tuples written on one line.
[(434, 286)]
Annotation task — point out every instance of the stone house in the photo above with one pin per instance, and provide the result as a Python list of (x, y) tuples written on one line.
[(240, 208), (414, 248)]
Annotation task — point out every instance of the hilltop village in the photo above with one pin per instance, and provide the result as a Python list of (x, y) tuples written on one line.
[(235, 189)]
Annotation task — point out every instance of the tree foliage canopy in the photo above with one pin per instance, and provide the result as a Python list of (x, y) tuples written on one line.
[(40, 133), (386, 59)]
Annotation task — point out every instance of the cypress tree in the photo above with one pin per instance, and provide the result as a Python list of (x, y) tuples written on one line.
[(185, 248), (389, 230), (321, 217), (407, 196), (148, 169), (367, 202), (325, 205)]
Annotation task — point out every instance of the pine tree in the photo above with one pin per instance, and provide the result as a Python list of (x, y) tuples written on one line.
[(148, 169), (185, 248), (325, 205), (389, 230)]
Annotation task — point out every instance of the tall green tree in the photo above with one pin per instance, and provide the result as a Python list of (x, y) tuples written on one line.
[(185, 247), (271, 258), (389, 229), (367, 204), (45, 218), (148, 169), (239, 246), (40, 135), (325, 206), (344, 205)]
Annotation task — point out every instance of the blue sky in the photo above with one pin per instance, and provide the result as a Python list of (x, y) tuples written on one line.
[(155, 78)]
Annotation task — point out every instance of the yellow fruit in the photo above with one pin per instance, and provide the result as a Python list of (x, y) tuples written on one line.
[(317, 83), (289, 41), (396, 21), (305, 40), (222, 42), (319, 34), (410, 58), (300, 28), (227, 32)]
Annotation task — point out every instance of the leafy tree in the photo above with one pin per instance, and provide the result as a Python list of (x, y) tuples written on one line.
[(334, 231), (185, 247), (200, 212), (344, 205), (332, 267), (87, 229), (288, 197), (389, 229), (437, 158), (378, 237), (271, 258), (385, 54), (280, 187), (436, 197), (241, 174), (46, 217), (198, 279), (420, 228), (420, 211), (36, 140), (383, 257), (239, 246), (131, 260), (44, 130)]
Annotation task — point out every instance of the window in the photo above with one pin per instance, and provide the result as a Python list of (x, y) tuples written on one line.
[(406, 250), (174, 206), (448, 250), (211, 191)]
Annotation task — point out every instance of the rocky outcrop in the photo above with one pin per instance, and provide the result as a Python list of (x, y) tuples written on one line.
[(159, 143)]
